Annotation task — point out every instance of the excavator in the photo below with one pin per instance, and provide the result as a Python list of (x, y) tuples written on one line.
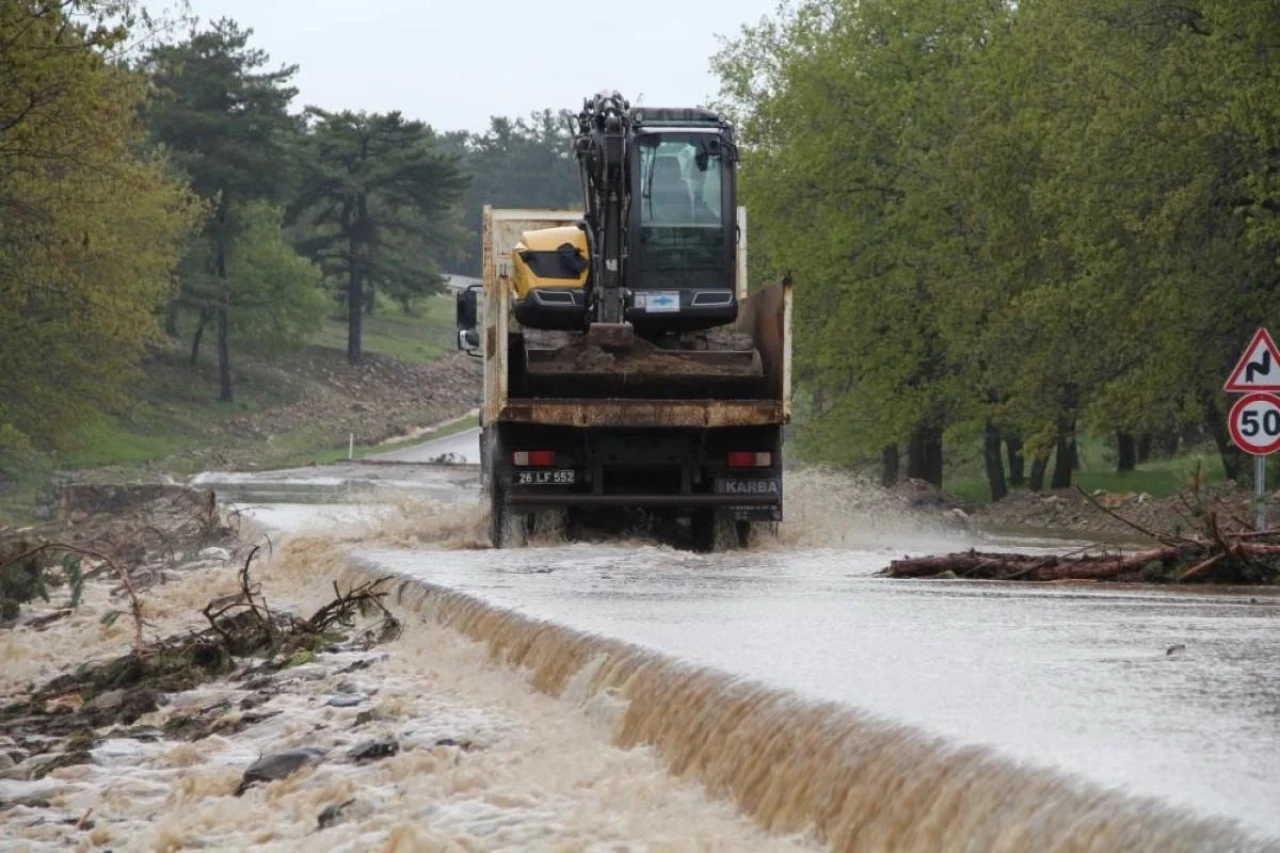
[(628, 367)]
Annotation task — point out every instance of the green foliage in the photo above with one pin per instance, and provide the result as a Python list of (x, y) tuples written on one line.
[(1059, 215), (515, 163), (92, 226), (377, 208), (226, 119), (276, 295), (75, 578)]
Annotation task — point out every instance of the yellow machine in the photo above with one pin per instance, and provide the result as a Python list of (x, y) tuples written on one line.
[(550, 267)]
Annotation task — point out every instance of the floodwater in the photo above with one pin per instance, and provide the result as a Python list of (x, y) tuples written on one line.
[(1086, 681)]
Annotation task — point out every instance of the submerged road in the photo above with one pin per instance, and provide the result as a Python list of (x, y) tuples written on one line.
[(1074, 678), (1063, 677)]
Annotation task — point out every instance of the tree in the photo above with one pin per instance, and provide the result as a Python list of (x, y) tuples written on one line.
[(1023, 219), (377, 201), (276, 297), (846, 111), (92, 224), (226, 120), (516, 163)]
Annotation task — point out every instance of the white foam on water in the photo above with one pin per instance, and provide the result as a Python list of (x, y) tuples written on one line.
[(537, 774)]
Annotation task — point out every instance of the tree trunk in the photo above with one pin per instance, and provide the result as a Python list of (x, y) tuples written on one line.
[(1233, 461), (924, 456), (206, 314), (1144, 448), (994, 462), (171, 317), (355, 306), (889, 464), (1017, 462), (1127, 452), (1064, 461), (1166, 443), (1038, 467), (226, 393)]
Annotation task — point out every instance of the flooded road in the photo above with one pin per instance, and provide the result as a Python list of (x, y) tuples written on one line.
[(1062, 677), (1071, 678)]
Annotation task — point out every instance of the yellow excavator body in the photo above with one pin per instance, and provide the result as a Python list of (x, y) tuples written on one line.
[(550, 257)]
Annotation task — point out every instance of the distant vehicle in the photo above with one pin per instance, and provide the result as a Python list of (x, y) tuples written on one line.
[(626, 370)]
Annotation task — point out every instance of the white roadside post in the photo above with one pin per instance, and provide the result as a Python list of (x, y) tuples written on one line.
[(1254, 420)]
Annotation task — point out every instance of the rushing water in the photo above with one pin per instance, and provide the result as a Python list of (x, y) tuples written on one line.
[(1074, 683)]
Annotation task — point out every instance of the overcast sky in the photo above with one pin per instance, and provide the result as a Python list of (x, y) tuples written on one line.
[(455, 63)]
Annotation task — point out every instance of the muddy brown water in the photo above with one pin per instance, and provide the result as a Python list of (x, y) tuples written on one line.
[(915, 715)]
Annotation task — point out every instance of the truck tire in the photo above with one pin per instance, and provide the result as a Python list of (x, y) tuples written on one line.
[(497, 516), (495, 485), (702, 530)]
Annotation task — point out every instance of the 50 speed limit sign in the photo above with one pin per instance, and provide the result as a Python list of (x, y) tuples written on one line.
[(1255, 423)]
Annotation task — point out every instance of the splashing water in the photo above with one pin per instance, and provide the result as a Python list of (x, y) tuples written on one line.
[(824, 509), (794, 765), (855, 781)]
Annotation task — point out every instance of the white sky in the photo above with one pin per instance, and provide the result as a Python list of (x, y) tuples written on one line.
[(455, 63)]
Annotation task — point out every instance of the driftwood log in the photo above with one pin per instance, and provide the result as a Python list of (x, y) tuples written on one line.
[(1211, 554), (1200, 561)]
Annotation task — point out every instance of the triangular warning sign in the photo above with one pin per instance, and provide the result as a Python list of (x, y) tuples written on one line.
[(1259, 368)]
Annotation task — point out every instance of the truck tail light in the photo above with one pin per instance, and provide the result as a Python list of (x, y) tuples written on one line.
[(750, 459), (533, 458)]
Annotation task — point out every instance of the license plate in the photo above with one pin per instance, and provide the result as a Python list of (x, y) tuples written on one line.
[(750, 486), (565, 477), (662, 302)]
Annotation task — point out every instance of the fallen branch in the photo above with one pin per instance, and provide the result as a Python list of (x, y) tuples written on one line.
[(1220, 560), (988, 566), (1170, 541), (134, 604)]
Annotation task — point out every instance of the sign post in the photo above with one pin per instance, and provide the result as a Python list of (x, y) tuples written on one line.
[(1254, 420), (1260, 492)]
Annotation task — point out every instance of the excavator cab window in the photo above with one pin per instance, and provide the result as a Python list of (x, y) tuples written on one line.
[(681, 218)]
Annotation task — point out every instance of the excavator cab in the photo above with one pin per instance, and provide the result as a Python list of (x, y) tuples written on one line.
[(681, 223)]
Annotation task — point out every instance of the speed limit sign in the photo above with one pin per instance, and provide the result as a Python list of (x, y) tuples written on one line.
[(1255, 423)]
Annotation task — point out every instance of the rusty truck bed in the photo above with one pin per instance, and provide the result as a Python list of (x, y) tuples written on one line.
[(644, 413)]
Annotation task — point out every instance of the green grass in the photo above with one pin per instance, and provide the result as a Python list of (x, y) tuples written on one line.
[(307, 455), (1157, 477), (111, 441), (421, 336), (174, 410)]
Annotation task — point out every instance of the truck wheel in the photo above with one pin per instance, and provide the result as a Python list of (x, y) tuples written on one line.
[(497, 516), (743, 531), (702, 530)]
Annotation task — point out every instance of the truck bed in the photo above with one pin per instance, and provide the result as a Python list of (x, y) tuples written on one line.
[(593, 412)]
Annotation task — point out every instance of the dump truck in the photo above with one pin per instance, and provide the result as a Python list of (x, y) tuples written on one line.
[(632, 379)]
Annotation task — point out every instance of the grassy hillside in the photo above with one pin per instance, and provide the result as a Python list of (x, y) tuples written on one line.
[(291, 407), (423, 336)]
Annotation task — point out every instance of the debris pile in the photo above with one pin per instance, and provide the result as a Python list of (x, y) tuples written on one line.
[(246, 640), (1214, 551), (132, 535)]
